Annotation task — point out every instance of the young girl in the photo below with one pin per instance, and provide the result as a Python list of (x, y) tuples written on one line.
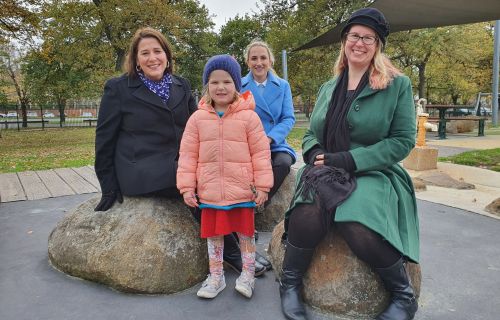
[(225, 158)]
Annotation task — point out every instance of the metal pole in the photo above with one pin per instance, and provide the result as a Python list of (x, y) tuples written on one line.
[(494, 90), (285, 68)]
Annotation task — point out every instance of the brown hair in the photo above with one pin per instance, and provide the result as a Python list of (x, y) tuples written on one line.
[(130, 64)]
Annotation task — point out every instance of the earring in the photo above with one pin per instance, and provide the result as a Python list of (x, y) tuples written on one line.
[(168, 63), (137, 68)]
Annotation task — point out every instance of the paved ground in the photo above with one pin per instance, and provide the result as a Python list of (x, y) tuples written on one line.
[(460, 268)]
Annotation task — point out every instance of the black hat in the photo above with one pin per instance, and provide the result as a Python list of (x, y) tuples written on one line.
[(371, 18)]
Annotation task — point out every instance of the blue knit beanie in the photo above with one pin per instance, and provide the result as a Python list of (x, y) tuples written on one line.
[(223, 62)]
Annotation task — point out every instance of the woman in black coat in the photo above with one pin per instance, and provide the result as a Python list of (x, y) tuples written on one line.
[(141, 121)]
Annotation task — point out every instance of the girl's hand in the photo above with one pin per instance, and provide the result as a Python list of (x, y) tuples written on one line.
[(260, 198), (190, 199)]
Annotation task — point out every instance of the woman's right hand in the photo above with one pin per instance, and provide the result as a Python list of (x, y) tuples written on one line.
[(190, 199)]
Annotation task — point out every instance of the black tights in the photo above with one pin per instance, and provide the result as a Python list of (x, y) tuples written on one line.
[(281, 163), (307, 227)]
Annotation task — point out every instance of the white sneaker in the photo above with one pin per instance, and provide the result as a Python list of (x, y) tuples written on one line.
[(210, 288), (245, 286)]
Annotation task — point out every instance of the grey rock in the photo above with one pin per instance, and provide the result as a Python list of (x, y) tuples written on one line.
[(337, 282), (266, 219), (144, 245)]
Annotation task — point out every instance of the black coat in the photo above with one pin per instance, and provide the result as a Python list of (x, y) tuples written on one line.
[(138, 135)]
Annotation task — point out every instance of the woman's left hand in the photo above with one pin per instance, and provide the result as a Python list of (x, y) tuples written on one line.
[(320, 159), (260, 198)]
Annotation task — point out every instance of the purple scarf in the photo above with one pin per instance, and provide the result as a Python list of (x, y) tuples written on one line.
[(160, 88)]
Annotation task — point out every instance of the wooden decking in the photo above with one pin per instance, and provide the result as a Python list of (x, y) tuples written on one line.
[(32, 185)]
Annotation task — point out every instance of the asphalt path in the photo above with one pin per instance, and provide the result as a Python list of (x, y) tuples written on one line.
[(460, 261)]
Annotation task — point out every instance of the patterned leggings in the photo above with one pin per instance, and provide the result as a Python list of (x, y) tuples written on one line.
[(216, 250)]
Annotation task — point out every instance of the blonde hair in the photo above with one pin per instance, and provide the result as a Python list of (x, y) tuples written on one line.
[(258, 43), (130, 64), (381, 70)]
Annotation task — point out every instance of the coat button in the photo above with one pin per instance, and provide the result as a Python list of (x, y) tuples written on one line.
[(350, 126), (272, 121), (356, 108)]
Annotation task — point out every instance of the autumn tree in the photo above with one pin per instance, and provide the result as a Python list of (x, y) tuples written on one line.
[(10, 66), (18, 19), (237, 33), (291, 24)]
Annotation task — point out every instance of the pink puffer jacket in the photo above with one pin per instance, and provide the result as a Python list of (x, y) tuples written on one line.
[(222, 159)]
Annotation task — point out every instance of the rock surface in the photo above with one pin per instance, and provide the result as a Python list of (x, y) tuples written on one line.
[(494, 207), (441, 179), (337, 282), (144, 245), (266, 219)]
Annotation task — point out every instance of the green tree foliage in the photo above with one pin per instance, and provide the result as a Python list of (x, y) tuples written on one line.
[(18, 19), (448, 64), (85, 43), (291, 24), (236, 34)]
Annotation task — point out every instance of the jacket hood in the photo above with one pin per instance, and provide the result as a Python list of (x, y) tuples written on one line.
[(245, 101)]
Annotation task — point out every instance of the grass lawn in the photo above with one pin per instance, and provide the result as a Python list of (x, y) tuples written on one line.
[(486, 159), (46, 149), (74, 147)]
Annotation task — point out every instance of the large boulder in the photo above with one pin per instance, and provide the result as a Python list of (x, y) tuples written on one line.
[(144, 245), (266, 219), (337, 282)]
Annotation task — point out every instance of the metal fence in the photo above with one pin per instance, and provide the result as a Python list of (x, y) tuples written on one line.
[(49, 116), (76, 114)]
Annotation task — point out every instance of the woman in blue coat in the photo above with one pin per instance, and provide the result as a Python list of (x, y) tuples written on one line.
[(274, 105)]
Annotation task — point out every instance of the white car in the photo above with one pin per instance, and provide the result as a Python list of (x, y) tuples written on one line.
[(11, 114), (3, 115), (32, 114), (87, 114), (48, 115)]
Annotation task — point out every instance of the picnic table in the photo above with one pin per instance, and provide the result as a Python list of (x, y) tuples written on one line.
[(450, 110)]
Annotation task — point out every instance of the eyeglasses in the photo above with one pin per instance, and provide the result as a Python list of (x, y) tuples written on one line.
[(354, 37)]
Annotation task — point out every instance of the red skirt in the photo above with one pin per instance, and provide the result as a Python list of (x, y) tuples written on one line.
[(215, 222)]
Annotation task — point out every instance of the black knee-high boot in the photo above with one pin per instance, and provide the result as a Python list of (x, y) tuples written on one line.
[(403, 304), (295, 265)]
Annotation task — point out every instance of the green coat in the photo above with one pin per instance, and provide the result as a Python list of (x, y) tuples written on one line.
[(382, 132)]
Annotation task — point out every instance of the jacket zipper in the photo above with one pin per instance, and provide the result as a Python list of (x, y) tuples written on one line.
[(221, 162)]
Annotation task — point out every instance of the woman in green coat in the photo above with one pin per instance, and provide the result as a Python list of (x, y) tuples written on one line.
[(362, 125)]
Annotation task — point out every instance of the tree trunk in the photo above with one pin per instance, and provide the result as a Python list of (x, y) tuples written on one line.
[(61, 103), (421, 80)]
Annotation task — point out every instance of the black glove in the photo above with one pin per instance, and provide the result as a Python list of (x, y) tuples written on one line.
[(108, 199), (342, 160), (311, 154)]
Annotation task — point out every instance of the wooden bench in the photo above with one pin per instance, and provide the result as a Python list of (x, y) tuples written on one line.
[(90, 121), (442, 124), (6, 123)]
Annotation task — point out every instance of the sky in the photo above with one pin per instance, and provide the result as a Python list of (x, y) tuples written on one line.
[(223, 10)]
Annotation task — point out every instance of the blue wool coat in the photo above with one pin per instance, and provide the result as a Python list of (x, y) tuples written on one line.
[(275, 109)]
